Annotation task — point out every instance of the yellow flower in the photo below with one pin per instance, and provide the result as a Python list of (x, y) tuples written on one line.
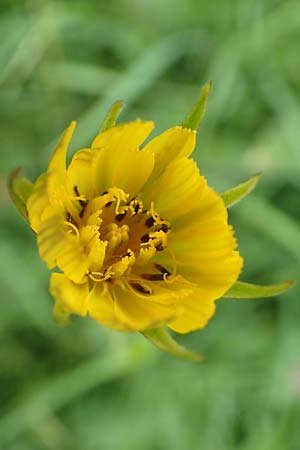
[(138, 237)]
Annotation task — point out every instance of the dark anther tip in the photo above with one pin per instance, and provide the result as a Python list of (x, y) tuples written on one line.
[(142, 289), (120, 217), (149, 222)]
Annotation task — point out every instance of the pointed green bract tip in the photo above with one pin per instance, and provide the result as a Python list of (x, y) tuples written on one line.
[(162, 340), (242, 290), (19, 189), (112, 116), (234, 195), (194, 118)]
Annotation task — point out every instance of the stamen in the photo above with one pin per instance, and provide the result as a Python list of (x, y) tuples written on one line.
[(132, 236), (101, 276), (81, 200), (161, 268), (143, 289), (153, 276), (70, 218), (116, 235), (136, 206), (150, 222), (73, 228), (121, 267), (165, 228), (120, 217)]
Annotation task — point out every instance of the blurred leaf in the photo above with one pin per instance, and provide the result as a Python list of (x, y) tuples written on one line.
[(57, 391), (273, 222), (162, 340)]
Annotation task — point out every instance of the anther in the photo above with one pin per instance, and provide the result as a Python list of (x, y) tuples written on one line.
[(69, 218), (140, 288), (153, 276), (161, 268), (159, 247), (145, 238), (81, 202), (164, 227), (120, 217), (149, 222)]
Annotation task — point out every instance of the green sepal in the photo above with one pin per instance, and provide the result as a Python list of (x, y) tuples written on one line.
[(20, 189), (162, 340), (194, 118), (247, 290), (234, 195), (112, 116)]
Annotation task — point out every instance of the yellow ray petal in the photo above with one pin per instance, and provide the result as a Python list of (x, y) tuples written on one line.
[(128, 169), (204, 246), (196, 312), (101, 308), (58, 159), (118, 162), (94, 171), (59, 190), (38, 202), (173, 143), (80, 172), (215, 276), (59, 246), (178, 190), (207, 258), (206, 208), (70, 298), (139, 313), (124, 136)]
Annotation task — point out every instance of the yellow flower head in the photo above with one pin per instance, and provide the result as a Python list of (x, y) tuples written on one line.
[(137, 237)]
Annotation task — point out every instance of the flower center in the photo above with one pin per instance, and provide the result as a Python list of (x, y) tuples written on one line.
[(120, 238)]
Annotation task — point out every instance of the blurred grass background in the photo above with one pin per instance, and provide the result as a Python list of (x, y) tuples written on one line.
[(85, 387)]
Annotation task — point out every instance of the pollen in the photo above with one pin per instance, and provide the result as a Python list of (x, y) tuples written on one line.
[(123, 231)]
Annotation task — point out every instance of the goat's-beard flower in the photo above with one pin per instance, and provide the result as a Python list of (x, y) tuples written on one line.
[(137, 238)]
